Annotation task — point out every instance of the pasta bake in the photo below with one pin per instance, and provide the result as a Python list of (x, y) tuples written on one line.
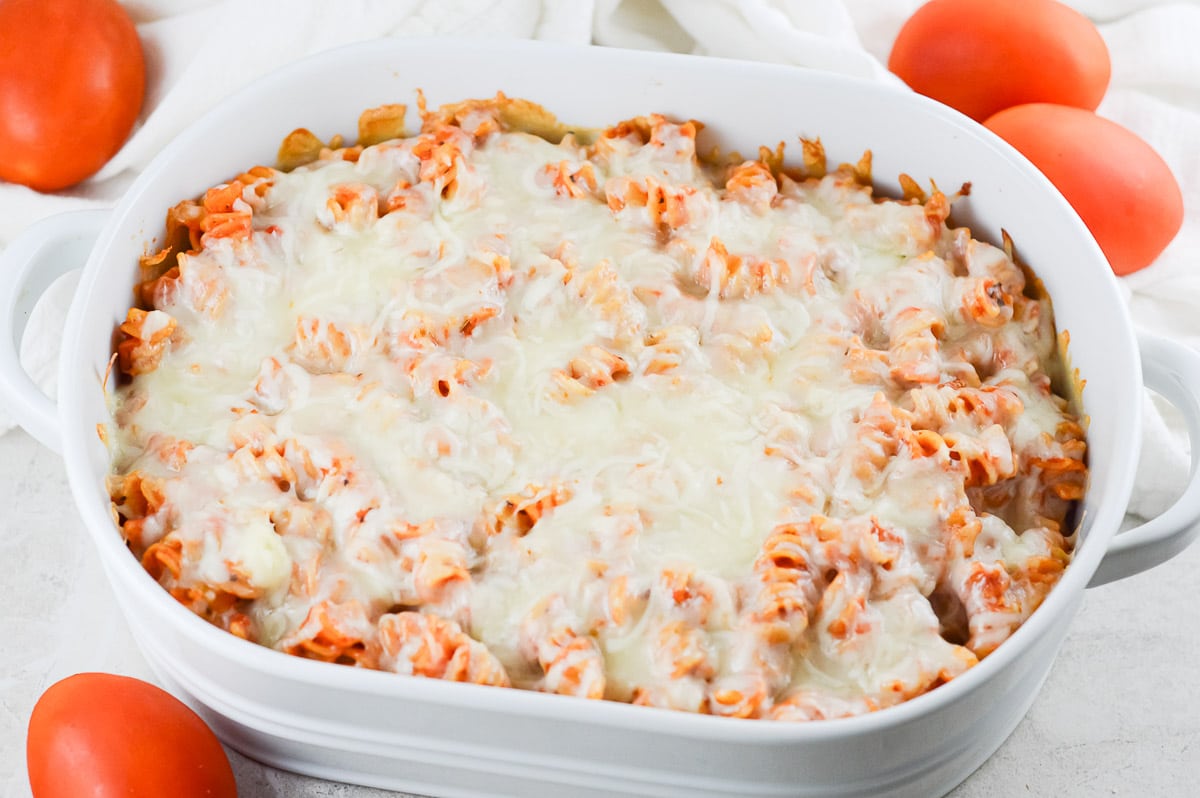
[(585, 413)]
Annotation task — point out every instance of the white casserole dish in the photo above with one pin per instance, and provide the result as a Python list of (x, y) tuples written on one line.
[(455, 739)]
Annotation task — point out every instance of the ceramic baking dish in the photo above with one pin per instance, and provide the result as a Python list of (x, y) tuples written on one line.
[(456, 739)]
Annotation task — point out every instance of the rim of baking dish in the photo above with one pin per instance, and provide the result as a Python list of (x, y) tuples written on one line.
[(93, 502)]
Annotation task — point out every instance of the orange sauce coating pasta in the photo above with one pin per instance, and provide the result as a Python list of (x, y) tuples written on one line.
[(597, 419)]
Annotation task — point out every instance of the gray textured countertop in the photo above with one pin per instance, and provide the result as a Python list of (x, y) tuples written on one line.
[(1119, 714)]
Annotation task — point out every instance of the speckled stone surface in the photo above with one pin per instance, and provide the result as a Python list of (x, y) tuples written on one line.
[(1119, 714)]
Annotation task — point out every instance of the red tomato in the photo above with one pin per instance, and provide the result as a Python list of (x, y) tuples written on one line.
[(981, 56), (102, 735), (71, 85), (1120, 187)]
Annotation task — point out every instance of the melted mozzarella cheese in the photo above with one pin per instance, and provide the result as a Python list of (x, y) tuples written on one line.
[(400, 377)]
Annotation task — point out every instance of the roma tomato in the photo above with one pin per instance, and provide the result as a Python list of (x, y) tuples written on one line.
[(981, 56), (102, 735), (1120, 187), (72, 78)]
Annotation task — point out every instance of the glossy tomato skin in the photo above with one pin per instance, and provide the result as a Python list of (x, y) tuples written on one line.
[(102, 735), (981, 56), (72, 79), (1121, 188)]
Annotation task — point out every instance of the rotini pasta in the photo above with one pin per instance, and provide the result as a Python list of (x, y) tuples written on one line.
[(580, 412)]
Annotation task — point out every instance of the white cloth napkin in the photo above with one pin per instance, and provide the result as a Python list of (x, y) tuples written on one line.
[(199, 51)]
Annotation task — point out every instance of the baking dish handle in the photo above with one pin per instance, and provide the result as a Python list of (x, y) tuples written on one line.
[(28, 266), (1172, 370)]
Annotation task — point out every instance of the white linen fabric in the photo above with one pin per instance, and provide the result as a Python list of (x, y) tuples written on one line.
[(197, 54)]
